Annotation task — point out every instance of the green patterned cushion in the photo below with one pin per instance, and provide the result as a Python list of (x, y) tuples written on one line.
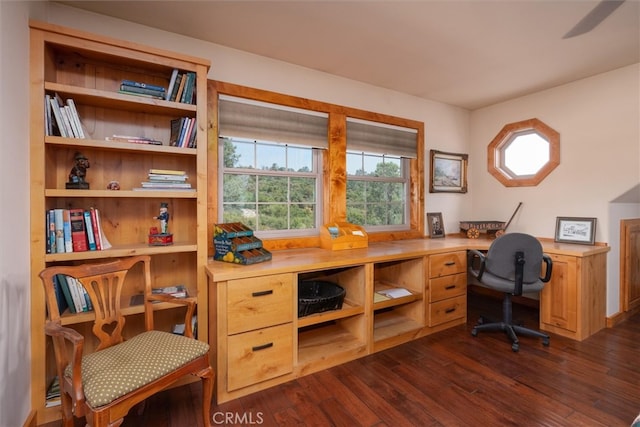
[(113, 372)]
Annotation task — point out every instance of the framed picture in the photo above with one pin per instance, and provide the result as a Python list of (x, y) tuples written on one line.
[(436, 226), (448, 172), (575, 230)]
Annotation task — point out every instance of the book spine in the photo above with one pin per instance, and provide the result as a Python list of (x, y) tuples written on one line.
[(78, 232), (90, 236), (62, 279), (66, 230), (67, 123), (172, 83), (51, 231), (57, 114), (59, 227), (60, 298), (96, 232), (104, 243), (76, 294), (141, 85), (141, 91), (76, 118)]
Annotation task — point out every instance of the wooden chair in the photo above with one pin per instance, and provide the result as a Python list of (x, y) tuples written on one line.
[(104, 385)]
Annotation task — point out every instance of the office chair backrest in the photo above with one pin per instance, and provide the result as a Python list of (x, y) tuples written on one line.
[(501, 257)]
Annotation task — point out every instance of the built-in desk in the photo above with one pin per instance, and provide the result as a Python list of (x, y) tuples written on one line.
[(259, 341)]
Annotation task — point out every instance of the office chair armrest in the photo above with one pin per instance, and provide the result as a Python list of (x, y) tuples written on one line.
[(471, 254), (189, 302), (549, 267)]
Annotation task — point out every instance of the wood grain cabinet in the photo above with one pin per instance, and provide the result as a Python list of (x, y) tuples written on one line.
[(573, 302), (447, 288), (89, 69)]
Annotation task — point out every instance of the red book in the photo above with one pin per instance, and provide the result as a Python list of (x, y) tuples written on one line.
[(78, 233), (96, 230)]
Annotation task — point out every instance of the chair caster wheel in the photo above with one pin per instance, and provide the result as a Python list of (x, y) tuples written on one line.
[(515, 347), (474, 332), (545, 342), (480, 321)]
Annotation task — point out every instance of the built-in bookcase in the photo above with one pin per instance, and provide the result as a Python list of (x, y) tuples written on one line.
[(89, 69)]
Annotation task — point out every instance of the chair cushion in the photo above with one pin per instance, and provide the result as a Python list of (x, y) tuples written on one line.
[(115, 371)]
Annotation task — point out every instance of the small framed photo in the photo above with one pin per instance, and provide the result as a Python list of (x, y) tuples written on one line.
[(448, 172), (436, 226), (575, 230)]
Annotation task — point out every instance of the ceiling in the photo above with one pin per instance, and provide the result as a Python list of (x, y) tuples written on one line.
[(467, 53)]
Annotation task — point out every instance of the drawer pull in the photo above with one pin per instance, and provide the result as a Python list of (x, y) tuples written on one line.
[(262, 347), (450, 287), (450, 263), (450, 310), (262, 293)]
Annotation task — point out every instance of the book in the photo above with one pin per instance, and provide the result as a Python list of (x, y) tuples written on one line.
[(183, 81), (176, 87), (188, 88), (66, 291), (59, 227), (57, 115), (167, 172), (60, 297), (96, 232), (76, 294), (76, 118), (142, 85), (394, 292), (104, 242), (133, 90), (66, 121), (172, 82), (165, 184), (133, 139), (52, 397), (176, 125), (51, 232), (66, 230), (48, 125), (164, 177), (91, 241), (177, 291), (78, 231)]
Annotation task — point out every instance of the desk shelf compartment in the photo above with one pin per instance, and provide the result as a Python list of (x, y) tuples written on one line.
[(396, 318), (323, 337)]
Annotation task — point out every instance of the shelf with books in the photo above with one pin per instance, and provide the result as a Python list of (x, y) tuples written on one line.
[(121, 132)]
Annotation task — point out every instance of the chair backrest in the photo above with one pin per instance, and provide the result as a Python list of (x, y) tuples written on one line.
[(103, 283), (500, 259)]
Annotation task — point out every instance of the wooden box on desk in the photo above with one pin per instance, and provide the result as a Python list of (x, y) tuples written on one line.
[(343, 235)]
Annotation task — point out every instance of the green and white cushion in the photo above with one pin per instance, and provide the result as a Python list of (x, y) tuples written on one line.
[(113, 372)]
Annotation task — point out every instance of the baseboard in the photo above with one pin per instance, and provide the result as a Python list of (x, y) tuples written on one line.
[(31, 420), (621, 317)]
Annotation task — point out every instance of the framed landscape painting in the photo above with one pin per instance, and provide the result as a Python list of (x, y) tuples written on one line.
[(448, 172)]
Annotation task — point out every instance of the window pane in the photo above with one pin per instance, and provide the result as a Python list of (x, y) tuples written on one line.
[(239, 188), (390, 167), (356, 213), (355, 192), (271, 157), (303, 216), (300, 159), (272, 189), (244, 213), (385, 192), (239, 154), (354, 164), (371, 164), (303, 190), (272, 217)]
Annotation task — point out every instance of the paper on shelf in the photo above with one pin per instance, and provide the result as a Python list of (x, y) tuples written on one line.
[(395, 292)]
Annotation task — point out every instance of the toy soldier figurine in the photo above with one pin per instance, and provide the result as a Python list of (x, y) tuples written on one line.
[(78, 173), (164, 218)]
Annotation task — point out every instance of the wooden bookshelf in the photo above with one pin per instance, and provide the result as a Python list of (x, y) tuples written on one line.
[(89, 69)]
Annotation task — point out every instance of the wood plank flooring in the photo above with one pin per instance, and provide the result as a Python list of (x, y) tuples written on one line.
[(446, 379)]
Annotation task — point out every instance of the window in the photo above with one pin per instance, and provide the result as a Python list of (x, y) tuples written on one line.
[(523, 153), (270, 166), (270, 186), (377, 190), (378, 174)]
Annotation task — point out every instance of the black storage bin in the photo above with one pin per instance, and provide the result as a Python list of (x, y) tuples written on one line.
[(316, 296)]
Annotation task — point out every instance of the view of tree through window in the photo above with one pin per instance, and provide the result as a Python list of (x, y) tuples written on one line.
[(269, 186), (376, 190)]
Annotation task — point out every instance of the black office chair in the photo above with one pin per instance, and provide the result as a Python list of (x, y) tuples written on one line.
[(512, 265)]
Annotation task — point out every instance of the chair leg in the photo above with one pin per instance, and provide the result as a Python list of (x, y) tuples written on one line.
[(207, 376)]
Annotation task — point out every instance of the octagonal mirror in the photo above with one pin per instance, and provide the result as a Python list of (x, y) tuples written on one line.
[(523, 153)]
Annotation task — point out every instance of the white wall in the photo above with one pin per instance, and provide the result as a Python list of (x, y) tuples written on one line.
[(598, 122)]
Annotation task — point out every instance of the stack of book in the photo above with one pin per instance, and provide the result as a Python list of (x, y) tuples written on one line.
[(131, 87), (182, 87), (74, 230), (166, 180), (133, 139), (61, 118), (70, 293), (53, 393), (183, 132)]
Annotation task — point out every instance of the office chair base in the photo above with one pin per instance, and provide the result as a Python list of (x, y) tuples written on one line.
[(510, 329)]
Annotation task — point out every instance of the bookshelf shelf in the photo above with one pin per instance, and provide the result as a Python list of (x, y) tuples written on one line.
[(89, 69), (347, 310)]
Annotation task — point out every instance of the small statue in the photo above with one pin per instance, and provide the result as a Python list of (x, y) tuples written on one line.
[(78, 173), (161, 237), (164, 218)]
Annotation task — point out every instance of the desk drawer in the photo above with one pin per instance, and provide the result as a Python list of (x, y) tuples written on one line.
[(447, 263), (257, 356), (447, 287), (259, 302), (446, 310)]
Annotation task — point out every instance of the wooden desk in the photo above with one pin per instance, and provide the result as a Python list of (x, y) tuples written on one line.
[(259, 341)]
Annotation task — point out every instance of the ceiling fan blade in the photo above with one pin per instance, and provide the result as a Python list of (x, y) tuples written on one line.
[(595, 17)]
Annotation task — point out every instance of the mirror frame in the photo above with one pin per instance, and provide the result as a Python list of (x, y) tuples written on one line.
[(496, 146)]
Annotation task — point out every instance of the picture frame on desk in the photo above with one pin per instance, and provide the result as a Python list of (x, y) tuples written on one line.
[(435, 224), (448, 172), (581, 230)]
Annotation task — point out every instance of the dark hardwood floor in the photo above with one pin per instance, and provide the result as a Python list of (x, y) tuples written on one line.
[(446, 379)]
